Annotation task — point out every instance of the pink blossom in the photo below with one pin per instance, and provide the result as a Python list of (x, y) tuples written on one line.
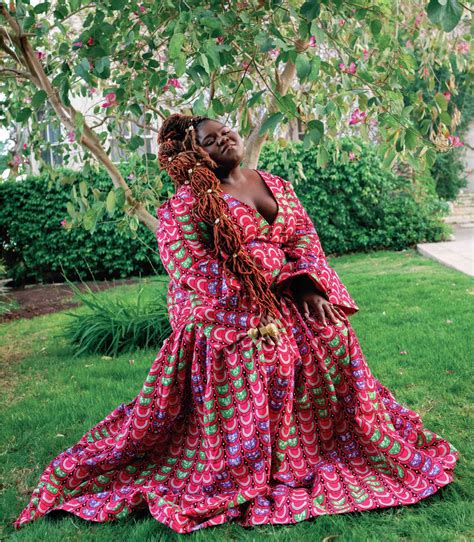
[(245, 64), (312, 41), (25, 146), (220, 40), (454, 141), (63, 223), (349, 69), (131, 176), (408, 44), (16, 160), (91, 65), (341, 22), (419, 18), (110, 100), (463, 47), (447, 95), (366, 54), (125, 61), (173, 82), (71, 136), (357, 116), (142, 8), (274, 52), (92, 90), (351, 156), (39, 54), (90, 41), (77, 44)]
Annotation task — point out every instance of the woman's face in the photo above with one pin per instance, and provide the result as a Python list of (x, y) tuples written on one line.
[(222, 144)]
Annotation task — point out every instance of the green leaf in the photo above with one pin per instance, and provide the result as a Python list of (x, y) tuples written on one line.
[(303, 66), (135, 142), (270, 123), (447, 13), (323, 156), (111, 202), (38, 99), (254, 99), (411, 139), (23, 114), (310, 10), (135, 109), (174, 48)]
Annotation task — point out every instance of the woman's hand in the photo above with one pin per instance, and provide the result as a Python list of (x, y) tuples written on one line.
[(265, 320), (311, 299)]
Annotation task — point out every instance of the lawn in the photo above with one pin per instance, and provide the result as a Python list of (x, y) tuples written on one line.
[(407, 304)]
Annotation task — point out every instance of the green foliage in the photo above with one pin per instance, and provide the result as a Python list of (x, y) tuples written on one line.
[(358, 205), (36, 247), (114, 326), (449, 174)]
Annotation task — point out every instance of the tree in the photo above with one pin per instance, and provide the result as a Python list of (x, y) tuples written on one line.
[(262, 64)]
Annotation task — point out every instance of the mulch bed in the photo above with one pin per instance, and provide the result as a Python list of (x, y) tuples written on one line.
[(37, 299)]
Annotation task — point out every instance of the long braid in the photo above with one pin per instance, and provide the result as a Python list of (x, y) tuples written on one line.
[(188, 163)]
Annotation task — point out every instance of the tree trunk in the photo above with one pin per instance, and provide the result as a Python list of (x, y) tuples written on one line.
[(254, 141)]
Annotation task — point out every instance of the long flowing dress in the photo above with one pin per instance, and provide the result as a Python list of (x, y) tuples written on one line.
[(230, 428)]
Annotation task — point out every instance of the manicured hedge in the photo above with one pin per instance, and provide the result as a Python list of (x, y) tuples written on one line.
[(358, 205), (35, 245)]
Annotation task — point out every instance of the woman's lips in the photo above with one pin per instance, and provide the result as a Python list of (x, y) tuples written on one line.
[(227, 147)]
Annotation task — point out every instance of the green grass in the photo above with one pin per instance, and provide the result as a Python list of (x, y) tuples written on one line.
[(407, 303)]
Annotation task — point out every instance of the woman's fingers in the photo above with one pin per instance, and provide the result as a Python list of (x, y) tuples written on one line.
[(306, 309)]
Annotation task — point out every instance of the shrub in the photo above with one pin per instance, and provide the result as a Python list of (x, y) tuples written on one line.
[(113, 326), (358, 205), (36, 247)]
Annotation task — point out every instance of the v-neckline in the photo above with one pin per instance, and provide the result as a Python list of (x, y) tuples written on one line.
[(256, 212)]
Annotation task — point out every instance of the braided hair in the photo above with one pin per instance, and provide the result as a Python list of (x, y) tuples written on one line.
[(188, 163)]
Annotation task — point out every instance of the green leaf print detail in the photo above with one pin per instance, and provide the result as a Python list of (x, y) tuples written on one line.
[(186, 464), (54, 490), (181, 474), (224, 401), (145, 401), (139, 481), (103, 479), (334, 342), (241, 395), (166, 381), (385, 442), (187, 227), (252, 376), (209, 404), (239, 382), (171, 460), (147, 389), (187, 263), (123, 513), (235, 371), (59, 472), (345, 360), (210, 417), (166, 468), (301, 516), (375, 436), (340, 351), (249, 365), (227, 413), (151, 378), (318, 500), (184, 218), (189, 453), (211, 430), (223, 389)]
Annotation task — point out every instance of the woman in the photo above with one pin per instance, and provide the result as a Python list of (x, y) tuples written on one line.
[(259, 407)]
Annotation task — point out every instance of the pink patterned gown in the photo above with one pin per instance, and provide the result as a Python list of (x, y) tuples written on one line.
[(229, 428)]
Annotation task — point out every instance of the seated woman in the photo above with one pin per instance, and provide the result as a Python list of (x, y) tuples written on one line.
[(259, 407)]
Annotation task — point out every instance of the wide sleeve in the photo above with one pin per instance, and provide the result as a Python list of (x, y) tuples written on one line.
[(305, 256), (216, 296)]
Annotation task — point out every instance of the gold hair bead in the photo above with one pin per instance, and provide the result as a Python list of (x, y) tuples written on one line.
[(170, 158), (190, 170), (217, 220), (209, 190), (235, 255), (186, 182)]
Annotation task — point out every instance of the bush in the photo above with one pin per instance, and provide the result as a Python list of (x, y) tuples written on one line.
[(359, 205), (37, 248), (113, 326)]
